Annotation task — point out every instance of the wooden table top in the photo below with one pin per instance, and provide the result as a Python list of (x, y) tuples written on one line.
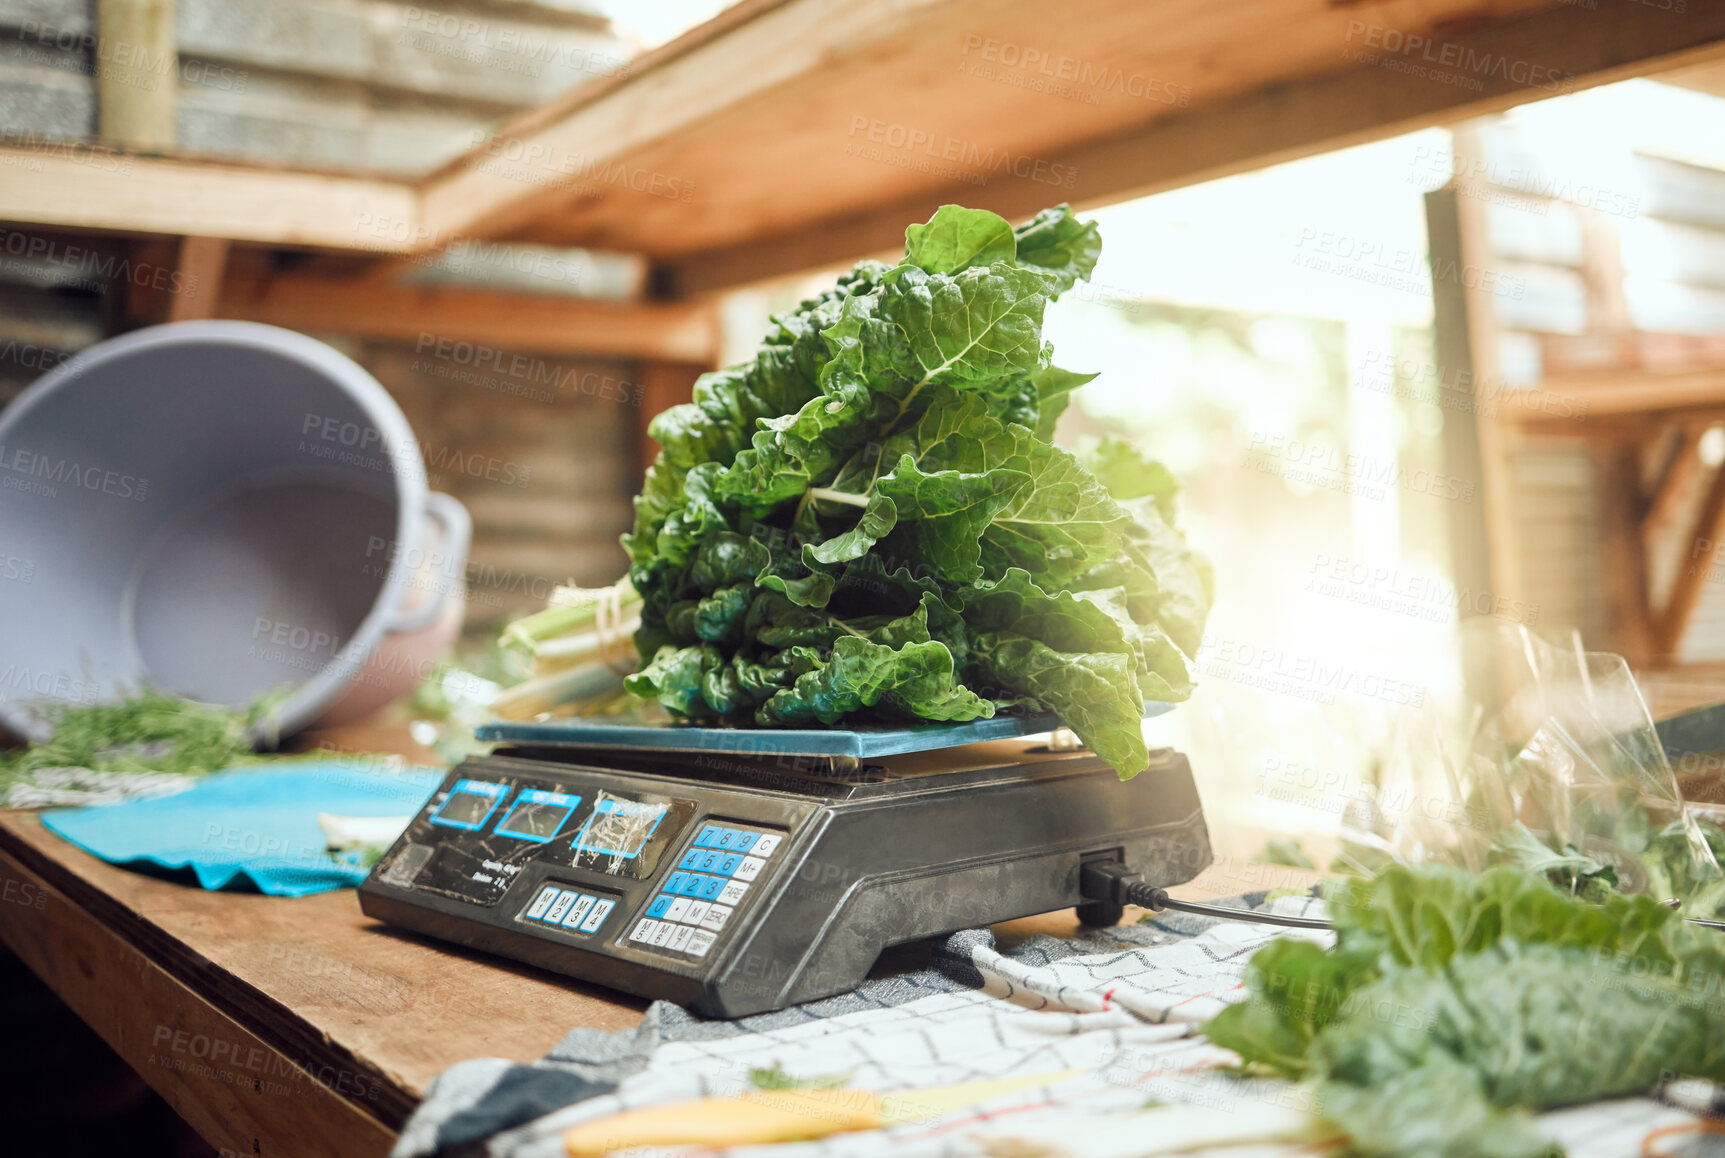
[(315, 981)]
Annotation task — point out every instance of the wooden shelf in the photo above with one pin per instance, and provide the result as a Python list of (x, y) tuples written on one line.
[(789, 134), (118, 193)]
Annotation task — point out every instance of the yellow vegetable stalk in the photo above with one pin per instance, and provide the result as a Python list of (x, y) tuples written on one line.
[(770, 1116), (782, 1115)]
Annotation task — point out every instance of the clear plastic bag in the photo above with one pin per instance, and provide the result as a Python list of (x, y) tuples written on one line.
[(1553, 765)]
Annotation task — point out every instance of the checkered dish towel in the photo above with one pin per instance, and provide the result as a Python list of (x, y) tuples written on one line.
[(1126, 1015)]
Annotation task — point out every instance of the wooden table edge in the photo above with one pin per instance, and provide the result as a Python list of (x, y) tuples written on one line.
[(242, 1091)]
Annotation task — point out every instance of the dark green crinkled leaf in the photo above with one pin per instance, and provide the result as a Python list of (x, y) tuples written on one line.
[(789, 452), (1427, 1059), (945, 513), (674, 679), (1298, 988), (811, 590), (1452, 1004), (879, 517), (916, 680), (727, 558), (1015, 603), (776, 620), (1060, 525), (1094, 692), (719, 617), (969, 328)]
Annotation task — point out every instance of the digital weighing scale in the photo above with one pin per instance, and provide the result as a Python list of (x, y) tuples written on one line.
[(738, 871)]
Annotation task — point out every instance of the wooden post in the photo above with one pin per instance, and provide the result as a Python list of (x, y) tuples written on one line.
[(137, 73), (1602, 273), (143, 299), (199, 288), (1482, 533), (1622, 553)]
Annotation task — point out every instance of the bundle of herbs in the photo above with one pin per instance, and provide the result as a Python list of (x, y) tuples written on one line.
[(141, 745), (1453, 1004), (147, 732), (868, 521)]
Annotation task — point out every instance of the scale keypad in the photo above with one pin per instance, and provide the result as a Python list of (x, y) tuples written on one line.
[(570, 909), (699, 896)]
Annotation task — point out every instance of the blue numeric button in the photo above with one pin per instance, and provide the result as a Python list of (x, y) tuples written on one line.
[(710, 861), (694, 883), (728, 863), (727, 839), (746, 841), (675, 884), (659, 905), (711, 886), (709, 836), (691, 859)]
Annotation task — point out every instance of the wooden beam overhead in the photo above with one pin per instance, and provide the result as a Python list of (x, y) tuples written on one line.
[(535, 164), (1280, 121), (791, 134), (97, 189), (1652, 352), (1603, 394), (499, 321)]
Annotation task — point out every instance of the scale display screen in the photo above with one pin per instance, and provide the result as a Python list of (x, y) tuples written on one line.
[(470, 804), (538, 815), (620, 827), (473, 842)]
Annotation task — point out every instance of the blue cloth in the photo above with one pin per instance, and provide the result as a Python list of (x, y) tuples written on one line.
[(259, 824)]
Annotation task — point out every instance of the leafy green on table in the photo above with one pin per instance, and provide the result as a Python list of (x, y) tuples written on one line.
[(1453, 1004), (147, 732), (1569, 870), (867, 521), (774, 1077), (1674, 869)]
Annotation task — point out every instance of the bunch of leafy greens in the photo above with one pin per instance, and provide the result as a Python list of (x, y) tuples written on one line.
[(868, 520), (1453, 1004), (1568, 870)]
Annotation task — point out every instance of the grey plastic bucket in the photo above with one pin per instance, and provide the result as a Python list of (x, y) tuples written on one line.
[(221, 510)]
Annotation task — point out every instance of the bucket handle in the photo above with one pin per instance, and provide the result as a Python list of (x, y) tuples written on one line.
[(457, 527)]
